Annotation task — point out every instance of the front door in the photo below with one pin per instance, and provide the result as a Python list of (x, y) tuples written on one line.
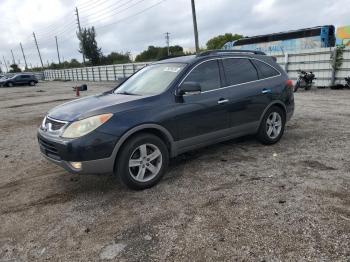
[(204, 113)]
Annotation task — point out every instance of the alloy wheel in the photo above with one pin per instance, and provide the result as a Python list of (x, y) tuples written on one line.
[(273, 125), (145, 162)]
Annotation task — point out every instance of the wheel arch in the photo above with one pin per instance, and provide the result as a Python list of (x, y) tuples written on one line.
[(274, 103), (154, 129)]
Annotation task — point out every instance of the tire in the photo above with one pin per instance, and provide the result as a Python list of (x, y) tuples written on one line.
[(270, 133), (135, 169), (32, 83), (10, 84)]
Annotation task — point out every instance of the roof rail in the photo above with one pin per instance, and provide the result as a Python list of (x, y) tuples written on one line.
[(211, 52)]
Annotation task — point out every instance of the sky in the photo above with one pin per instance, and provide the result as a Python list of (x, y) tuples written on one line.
[(133, 25)]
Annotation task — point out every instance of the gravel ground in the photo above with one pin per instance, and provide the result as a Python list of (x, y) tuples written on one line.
[(237, 200)]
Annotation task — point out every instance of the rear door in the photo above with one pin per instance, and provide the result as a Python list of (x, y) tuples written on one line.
[(247, 94)]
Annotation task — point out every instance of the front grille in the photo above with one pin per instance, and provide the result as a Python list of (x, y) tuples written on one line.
[(49, 149), (53, 124)]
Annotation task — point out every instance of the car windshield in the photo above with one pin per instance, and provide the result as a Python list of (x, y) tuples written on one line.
[(151, 80)]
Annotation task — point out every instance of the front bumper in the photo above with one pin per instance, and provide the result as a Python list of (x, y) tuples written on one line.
[(99, 166), (94, 152)]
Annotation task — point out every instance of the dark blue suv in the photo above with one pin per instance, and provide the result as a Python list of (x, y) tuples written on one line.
[(167, 108)]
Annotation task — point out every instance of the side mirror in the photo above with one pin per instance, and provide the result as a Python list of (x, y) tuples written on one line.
[(190, 88)]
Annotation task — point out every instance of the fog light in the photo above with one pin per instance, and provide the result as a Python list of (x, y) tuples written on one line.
[(76, 165)]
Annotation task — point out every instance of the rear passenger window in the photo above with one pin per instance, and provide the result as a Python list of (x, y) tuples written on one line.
[(207, 75), (265, 70), (239, 70)]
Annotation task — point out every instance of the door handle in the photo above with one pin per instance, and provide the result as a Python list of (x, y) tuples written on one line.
[(222, 101), (266, 91)]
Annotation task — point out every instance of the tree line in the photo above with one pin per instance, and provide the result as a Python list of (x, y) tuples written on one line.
[(94, 56)]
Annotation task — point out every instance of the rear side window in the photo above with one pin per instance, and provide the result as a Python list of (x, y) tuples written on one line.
[(207, 75), (265, 70), (239, 71), (25, 76)]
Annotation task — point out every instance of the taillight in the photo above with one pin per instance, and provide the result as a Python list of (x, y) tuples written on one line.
[(289, 83)]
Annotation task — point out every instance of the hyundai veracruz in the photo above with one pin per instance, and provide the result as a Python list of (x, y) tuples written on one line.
[(165, 109)]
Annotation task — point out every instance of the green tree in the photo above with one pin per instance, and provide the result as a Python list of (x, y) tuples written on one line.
[(15, 68), (88, 45), (156, 53), (219, 41), (74, 63), (115, 58)]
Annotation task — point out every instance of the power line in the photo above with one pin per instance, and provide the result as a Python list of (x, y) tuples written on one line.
[(62, 28), (108, 8), (133, 15), (123, 10), (91, 6), (67, 30), (104, 16), (86, 4)]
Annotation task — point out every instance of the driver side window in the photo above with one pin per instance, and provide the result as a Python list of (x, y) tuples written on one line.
[(207, 75)]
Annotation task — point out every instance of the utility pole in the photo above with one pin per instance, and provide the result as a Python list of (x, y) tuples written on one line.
[(79, 28), (58, 53), (167, 39), (13, 58), (37, 47), (195, 25), (7, 69), (24, 57)]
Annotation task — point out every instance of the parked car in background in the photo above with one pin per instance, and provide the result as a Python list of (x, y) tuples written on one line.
[(19, 79), (168, 108)]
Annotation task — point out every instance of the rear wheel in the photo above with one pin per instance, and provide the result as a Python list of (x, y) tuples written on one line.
[(32, 83), (272, 126), (142, 161)]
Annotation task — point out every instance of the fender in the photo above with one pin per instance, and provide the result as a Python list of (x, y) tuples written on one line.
[(132, 131), (276, 102)]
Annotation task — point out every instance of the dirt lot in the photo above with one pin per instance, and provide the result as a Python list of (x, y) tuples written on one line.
[(237, 200)]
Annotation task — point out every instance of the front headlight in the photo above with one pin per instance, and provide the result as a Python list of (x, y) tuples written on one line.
[(85, 126)]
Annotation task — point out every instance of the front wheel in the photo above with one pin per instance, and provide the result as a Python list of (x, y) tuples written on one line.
[(10, 84), (272, 126), (142, 161)]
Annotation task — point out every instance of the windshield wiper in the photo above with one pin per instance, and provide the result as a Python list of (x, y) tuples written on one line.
[(126, 93)]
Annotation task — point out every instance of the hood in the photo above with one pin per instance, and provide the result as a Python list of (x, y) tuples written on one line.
[(92, 105)]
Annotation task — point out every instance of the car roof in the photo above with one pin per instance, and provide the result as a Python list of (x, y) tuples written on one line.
[(180, 59), (215, 54)]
